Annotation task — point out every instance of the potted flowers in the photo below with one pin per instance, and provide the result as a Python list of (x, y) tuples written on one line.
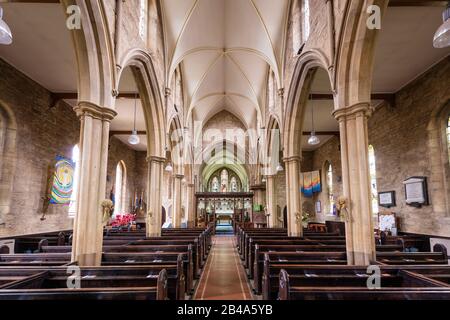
[(123, 220)]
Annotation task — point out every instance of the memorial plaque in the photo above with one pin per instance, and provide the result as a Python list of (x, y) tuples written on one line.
[(416, 191)]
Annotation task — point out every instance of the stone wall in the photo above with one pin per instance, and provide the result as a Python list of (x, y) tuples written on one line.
[(223, 122), (136, 168), (404, 147), (43, 131), (328, 153)]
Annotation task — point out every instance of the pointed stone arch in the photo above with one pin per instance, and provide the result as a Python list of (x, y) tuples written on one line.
[(144, 73)]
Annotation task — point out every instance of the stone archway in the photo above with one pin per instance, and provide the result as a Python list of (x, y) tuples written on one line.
[(143, 70), (8, 130), (440, 162), (296, 102)]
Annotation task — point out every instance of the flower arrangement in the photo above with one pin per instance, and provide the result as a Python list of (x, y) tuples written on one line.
[(122, 220), (305, 216), (342, 208), (107, 206)]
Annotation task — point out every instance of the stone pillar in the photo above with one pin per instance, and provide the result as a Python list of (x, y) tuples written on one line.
[(153, 217), (190, 205), (271, 201), (294, 197), (177, 200), (88, 228), (356, 182)]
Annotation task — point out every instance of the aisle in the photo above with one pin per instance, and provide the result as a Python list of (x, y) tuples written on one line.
[(224, 276)]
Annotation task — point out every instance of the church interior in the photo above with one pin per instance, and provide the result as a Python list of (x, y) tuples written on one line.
[(224, 150)]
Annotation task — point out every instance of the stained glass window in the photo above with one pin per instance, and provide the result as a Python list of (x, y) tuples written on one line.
[(120, 187), (234, 185), (224, 181), (73, 198), (329, 169), (215, 185), (373, 180)]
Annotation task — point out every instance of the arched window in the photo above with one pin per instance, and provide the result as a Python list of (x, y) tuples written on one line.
[(296, 27), (120, 188), (143, 19), (306, 20), (215, 185), (76, 177), (448, 138), (234, 185), (329, 170), (224, 181), (373, 180)]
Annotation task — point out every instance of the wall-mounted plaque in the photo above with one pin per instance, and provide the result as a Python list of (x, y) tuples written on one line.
[(318, 207), (386, 199), (416, 191), (387, 221)]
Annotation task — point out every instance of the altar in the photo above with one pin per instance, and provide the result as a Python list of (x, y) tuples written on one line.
[(224, 208), (224, 215)]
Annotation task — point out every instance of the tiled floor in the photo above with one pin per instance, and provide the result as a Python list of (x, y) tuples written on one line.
[(224, 277)]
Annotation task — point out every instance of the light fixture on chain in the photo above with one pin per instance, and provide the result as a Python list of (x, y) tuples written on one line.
[(442, 36), (134, 139), (5, 31), (313, 139)]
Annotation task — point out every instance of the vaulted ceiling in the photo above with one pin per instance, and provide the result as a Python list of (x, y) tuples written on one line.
[(225, 48)]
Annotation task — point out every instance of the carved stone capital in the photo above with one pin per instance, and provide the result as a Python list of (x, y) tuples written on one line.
[(88, 109), (155, 159), (292, 159), (167, 92), (281, 92), (362, 109)]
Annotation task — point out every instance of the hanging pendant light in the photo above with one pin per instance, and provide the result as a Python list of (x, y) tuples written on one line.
[(134, 139), (5, 31), (169, 167), (280, 168), (442, 36), (313, 139)]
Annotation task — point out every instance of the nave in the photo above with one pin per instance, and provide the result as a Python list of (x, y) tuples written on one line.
[(224, 149), (253, 264)]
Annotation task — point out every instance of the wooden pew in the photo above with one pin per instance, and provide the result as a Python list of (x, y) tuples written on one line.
[(343, 285), (273, 259), (197, 248), (47, 286), (248, 256), (408, 258), (30, 243), (9, 275), (35, 259), (261, 250), (150, 258)]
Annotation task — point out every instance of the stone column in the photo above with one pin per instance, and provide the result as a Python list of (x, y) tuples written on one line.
[(190, 205), (271, 201), (294, 197), (356, 182), (154, 195), (94, 137), (177, 200)]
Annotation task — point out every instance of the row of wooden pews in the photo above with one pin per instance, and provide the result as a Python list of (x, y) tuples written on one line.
[(265, 253), (133, 267)]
